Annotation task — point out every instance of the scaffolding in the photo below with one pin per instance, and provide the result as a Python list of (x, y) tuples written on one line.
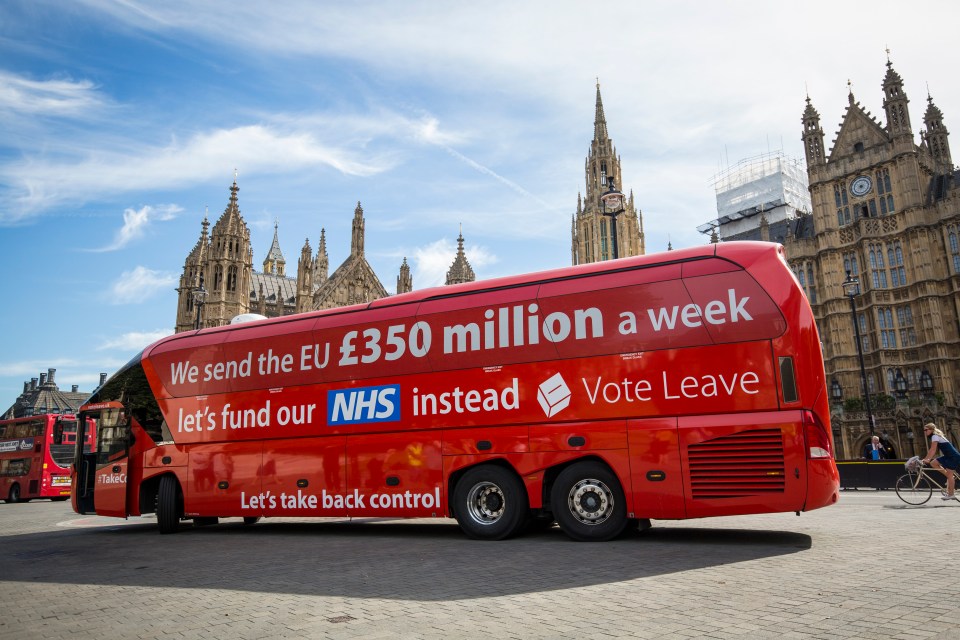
[(770, 183)]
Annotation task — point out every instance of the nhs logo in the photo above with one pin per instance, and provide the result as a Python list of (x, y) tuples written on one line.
[(363, 404)]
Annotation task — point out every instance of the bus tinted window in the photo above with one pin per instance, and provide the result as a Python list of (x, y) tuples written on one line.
[(129, 386), (14, 468)]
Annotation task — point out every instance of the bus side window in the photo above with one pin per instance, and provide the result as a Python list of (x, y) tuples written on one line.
[(58, 433)]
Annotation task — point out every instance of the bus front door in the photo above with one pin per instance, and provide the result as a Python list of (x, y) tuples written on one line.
[(102, 473)]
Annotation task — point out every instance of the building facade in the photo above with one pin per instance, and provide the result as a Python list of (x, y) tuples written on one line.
[(886, 211), (598, 236), (222, 263)]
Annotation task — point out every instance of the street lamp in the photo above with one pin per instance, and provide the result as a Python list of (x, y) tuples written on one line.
[(199, 295), (613, 207), (836, 390), (926, 383), (900, 384), (851, 287)]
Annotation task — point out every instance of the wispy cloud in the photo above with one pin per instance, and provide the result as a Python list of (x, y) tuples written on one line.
[(136, 222), (135, 340), (39, 185), (134, 287), (57, 97)]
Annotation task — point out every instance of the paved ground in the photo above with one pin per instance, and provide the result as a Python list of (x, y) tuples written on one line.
[(869, 567)]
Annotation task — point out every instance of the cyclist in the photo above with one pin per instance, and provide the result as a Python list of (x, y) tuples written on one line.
[(949, 460)]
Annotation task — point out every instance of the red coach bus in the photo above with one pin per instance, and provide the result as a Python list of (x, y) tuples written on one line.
[(35, 456), (679, 385)]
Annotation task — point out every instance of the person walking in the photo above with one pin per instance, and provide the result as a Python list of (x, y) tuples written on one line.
[(949, 460)]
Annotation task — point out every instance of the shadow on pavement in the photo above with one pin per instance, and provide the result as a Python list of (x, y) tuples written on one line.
[(379, 559)]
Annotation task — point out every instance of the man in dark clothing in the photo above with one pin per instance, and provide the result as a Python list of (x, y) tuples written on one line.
[(874, 450)]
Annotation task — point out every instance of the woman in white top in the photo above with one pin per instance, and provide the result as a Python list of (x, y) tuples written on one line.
[(949, 460)]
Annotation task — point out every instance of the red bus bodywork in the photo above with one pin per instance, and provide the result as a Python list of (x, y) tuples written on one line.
[(35, 456), (678, 385)]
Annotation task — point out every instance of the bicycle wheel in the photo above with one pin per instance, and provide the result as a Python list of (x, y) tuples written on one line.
[(914, 489)]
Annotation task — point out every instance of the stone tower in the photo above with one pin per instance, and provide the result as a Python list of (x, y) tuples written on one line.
[(592, 231), (460, 270), (887, 212), (223, 263)]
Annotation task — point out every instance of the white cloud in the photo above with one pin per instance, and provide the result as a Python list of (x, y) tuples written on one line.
[(135, 340), (432, 261), (135, 223), (59, 97), (38, 185), (133, 287)]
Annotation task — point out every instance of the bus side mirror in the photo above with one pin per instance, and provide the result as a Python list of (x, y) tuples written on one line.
[(58, 433)]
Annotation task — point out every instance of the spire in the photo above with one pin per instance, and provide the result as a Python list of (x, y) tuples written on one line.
[(321, 267), (460, 270), (812, 135), (231, 221), (274, 262), (404, 280), (599, 120), (895, 103), (356, 242), (937, 135)]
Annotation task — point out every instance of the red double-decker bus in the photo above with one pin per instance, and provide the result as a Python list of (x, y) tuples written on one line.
[(36, 453), (671, 386)]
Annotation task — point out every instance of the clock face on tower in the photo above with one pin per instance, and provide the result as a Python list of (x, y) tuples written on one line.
[(861, 186)]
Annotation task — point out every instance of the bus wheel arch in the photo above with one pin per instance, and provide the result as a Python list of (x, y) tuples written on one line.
[(588, 501), (169, 504), (489, 501)]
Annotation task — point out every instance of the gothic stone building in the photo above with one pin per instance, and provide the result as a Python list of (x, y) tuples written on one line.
[(593, 232), (886, 211), (222, 261)]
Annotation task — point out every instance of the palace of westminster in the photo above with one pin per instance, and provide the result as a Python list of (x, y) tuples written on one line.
[(876, 206)]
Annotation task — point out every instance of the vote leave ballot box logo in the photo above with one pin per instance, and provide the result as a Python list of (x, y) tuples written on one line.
[(553, 395)]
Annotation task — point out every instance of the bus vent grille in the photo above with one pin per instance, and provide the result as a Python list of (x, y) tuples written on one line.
[(749, 463)]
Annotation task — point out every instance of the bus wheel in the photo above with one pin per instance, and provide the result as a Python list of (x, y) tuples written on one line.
[(169, 505), (490, 503), (588, 502), (14, 496), (251, 520)]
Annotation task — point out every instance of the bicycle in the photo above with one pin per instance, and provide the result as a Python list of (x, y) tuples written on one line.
[(916, 486)]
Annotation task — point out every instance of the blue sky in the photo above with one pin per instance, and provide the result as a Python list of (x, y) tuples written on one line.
[(121, 122)]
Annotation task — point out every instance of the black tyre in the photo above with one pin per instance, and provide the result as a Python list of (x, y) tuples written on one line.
[(588, 502), (913, 489), (490, 503), (169, 505), (248, 520), (14, 496)]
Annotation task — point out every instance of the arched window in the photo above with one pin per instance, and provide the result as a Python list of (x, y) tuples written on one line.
[(217, 277), (232, 278)]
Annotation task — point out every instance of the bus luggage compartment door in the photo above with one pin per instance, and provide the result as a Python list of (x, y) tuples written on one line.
[(657, 476)]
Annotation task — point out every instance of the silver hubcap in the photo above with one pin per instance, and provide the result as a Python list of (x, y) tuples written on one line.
[(590, 501), (485, 503)]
